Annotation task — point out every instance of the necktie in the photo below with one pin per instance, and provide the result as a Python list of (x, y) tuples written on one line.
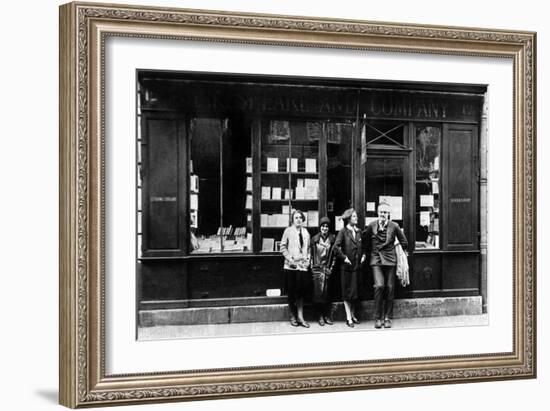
[(301, 239)]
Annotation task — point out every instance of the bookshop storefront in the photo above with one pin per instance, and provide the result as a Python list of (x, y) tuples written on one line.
[(223, 160)]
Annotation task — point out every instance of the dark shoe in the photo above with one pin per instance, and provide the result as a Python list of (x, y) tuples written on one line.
[(321, 321), (350, 323), (303, 324), (328, 321), (293, 322), (355, 320), (387, 323), (378, 324)]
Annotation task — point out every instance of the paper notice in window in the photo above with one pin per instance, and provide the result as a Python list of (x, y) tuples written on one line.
[(266, 193), (396, 206), (276, 193), (435, 187), (194, 203), (426, 200), (272, 164), (338, 223), (424, 218), (292, 165), (371, 206), (311, 165)]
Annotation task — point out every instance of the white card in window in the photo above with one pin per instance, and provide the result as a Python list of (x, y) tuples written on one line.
[(396, 206), (272, 164), (300, 193), (436, 163), (292, 165), (312, 218), (286, 210), (424, 218), (338, 223), (249, 165), (276, 193), (248, 205), (268, 244), (371, 206), (311, 182), (263, 220), (300, 182), (311, 165), (435, 187), (288, 194), (248, 183), (427, 200), (194, 183), (310, 193), (266, 193), (194, 203)]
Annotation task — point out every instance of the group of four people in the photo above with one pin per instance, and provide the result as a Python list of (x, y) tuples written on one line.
[(313, 260)]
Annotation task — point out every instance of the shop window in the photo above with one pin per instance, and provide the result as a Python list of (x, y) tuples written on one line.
[(428, 187), (339, 175), (220, 186), (289, 177)]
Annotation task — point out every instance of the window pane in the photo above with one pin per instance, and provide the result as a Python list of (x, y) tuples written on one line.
[(339, 137), (385, 133), (204, 172), (384, 182), (237, 188), (428, 187)]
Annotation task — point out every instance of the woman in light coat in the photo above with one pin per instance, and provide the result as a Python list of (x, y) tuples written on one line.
[(295, 249)]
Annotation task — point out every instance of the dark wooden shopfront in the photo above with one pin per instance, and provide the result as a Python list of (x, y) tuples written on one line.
[(207, 145)]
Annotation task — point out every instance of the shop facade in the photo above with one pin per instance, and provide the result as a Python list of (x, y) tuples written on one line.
[(224, 159)]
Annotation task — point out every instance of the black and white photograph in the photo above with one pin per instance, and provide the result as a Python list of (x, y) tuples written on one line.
[(257, 204), (288, 204)]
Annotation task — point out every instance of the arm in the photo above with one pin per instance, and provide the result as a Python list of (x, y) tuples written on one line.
[(284, 246), (402, 239), (338, 247), (362, 251), (366, 240)]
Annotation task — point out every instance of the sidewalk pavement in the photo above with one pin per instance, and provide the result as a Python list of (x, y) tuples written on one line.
[(277, 327)]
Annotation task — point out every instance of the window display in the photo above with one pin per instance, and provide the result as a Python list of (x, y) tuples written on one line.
[(289, 176), (220, 186), (428, 186)]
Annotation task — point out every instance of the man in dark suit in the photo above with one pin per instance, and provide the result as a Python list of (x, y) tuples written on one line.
[(379, 238)]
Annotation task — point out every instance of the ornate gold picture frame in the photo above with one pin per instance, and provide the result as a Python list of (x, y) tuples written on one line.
[(84, 30)]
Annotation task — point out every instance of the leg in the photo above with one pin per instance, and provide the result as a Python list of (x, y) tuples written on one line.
[(390, 283), (378, 291), (347, 307), (327, 313), (291, 296), (320, 309), (300, 309)]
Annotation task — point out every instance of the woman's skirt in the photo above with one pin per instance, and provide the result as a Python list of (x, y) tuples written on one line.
[(297, 284), (349, 282)]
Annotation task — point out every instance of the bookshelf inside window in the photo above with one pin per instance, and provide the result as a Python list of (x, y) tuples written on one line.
[(428, 187), (289, 179)]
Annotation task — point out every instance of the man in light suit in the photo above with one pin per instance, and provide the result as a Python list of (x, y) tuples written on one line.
[(379, 238)]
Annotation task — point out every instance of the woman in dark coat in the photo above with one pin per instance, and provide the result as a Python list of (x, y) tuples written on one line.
[(348, 247), (322, 264)]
